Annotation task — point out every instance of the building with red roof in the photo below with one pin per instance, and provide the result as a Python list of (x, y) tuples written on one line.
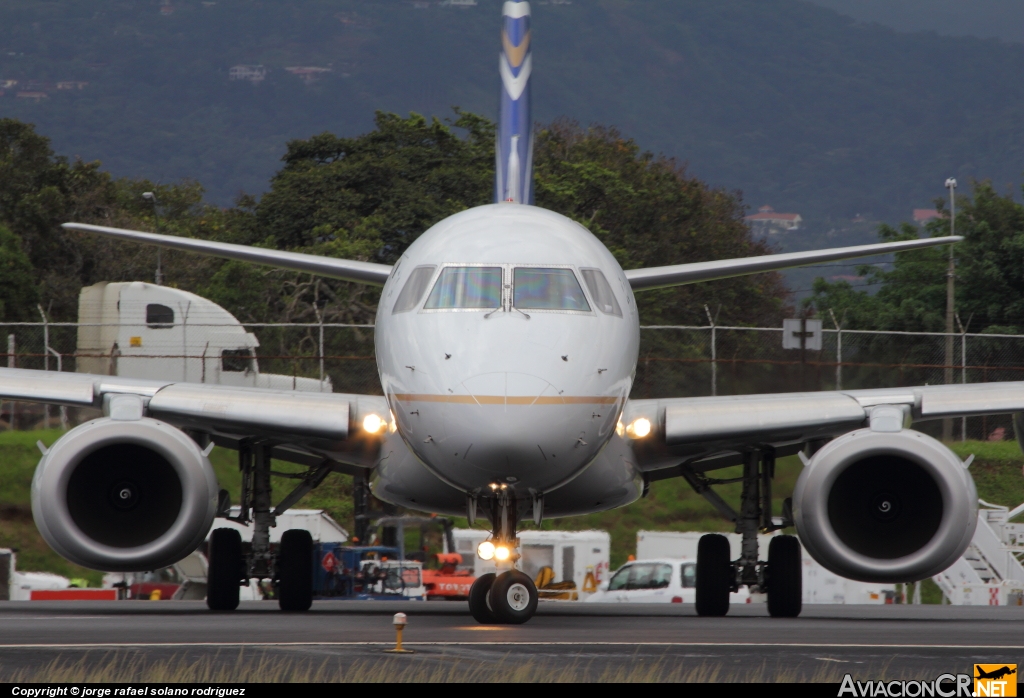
[(766, 220)]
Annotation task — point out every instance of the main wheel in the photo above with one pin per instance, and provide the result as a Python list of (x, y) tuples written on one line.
[(784, 577), (513, 597), (225, 571), (295, 571), (714, 575), (478, 604)]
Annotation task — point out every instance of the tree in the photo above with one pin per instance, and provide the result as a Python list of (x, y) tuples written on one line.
[(18, 291), (912, 295), (649, 212)]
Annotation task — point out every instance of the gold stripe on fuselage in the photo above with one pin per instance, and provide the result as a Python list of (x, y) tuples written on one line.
[(508, 400)]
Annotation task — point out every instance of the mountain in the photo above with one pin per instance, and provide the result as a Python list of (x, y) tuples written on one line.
[(794, 104), (1002, 19)]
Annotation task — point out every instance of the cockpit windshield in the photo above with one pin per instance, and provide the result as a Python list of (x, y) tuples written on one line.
[(413, 290), (547, 289), (466, 287)]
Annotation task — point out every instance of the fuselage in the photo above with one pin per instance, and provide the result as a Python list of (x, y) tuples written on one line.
[(507, 339)]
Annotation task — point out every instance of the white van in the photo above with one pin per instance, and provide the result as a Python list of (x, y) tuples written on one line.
[(140, 330), (658, 580), (819, 585)]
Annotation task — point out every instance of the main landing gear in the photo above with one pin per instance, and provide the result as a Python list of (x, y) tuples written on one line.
[(508, 596), (288, 565), (780, 578)]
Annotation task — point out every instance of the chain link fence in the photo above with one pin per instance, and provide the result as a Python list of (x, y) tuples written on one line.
[(676, 361)]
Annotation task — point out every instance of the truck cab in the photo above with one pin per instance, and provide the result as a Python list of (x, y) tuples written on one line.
[(141, 330)]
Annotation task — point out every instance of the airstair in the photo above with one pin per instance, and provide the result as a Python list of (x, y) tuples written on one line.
[(990, 572)]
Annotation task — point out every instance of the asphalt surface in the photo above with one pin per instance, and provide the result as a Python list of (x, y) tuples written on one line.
[(870, 642)]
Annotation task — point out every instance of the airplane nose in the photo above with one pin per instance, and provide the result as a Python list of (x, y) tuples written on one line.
[(520, 428)]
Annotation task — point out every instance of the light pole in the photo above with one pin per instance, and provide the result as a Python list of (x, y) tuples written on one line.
[(151, 197), (947, 424)]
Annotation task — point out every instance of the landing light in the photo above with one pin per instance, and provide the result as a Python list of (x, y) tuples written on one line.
[(501, 553), (486, 550), (373, 424), (639, 428)]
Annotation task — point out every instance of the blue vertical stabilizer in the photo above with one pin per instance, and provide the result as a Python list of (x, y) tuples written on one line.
[(514, 177)]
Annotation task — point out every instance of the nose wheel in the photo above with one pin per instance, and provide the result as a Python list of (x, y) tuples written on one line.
[(508, 598), (513, 597)]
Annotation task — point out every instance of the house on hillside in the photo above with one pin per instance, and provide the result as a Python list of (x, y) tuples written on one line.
[(767, 221), (308, 73), (252, 73), (31, 94), (923, 215), (71, 85)]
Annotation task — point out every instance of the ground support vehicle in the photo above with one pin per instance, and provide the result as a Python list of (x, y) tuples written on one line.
[(365, 573), (449, 582)]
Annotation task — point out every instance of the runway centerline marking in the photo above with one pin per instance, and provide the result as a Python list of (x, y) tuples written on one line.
[(499, 643), (16, 618)]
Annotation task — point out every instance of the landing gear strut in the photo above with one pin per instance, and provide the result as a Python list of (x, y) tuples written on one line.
[(717, 575), (508, 596), (289, 565)]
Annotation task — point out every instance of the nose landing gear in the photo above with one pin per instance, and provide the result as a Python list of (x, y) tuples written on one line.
[(508, 596)]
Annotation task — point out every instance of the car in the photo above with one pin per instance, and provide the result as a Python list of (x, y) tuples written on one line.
[(659, 580)]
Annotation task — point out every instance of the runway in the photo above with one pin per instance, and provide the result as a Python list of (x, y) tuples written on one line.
[(871, 642)]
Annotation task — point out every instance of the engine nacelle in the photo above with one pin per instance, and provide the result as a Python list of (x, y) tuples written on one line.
[(885, 506), (124, 496)]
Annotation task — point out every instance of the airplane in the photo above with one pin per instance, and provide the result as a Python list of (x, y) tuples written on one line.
[(506, 341), (995, 673)]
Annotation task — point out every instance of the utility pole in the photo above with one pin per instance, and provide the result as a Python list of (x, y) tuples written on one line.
[(947, 424), (151, 197)]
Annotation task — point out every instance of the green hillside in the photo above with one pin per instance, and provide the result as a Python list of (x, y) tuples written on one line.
[(792, 103), (670, 505)]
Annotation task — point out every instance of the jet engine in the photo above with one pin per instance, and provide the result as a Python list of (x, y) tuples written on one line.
[(124, 496), (885, 506)]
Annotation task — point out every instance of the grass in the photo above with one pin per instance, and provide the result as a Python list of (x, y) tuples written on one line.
[(670, 505), (420, 668)]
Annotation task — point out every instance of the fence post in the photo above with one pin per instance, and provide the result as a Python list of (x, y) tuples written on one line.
[(320, 319), (12, 362), (46, 358), (714, 358), (963, 369), (839, 351)]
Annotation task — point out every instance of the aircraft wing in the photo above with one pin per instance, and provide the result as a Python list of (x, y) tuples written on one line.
[(680, 274), (711, 432), (326, 423), (331, 267)]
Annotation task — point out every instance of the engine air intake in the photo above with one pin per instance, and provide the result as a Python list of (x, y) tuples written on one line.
[(124, 496), (885, 506)]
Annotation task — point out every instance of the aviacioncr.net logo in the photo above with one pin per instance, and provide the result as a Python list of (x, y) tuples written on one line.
[(944, 686), (995, 680)]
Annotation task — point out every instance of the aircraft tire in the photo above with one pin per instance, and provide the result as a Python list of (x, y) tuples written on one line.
[(295, 571), (479, 606), (225, 570), (784, 577), (714, 571), (513, 597)]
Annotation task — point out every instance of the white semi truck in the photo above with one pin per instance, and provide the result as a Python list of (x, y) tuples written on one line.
[(141, 330)]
